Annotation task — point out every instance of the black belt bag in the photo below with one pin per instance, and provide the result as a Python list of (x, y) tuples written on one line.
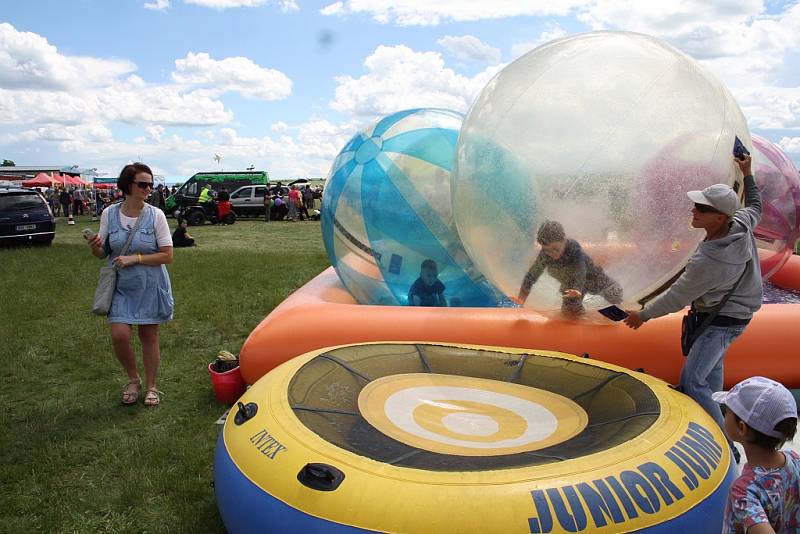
[(691, 327), (695, 323)]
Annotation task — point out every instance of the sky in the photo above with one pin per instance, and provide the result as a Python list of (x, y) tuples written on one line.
[(283, 84)]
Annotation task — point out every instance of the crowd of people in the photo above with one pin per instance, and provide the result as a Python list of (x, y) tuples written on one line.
[(74, 200), (292, 203)]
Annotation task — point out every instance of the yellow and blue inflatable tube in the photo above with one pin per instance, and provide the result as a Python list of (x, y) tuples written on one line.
[(673, 476)]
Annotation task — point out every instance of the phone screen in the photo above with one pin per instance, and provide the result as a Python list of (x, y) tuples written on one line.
[(614, 313)]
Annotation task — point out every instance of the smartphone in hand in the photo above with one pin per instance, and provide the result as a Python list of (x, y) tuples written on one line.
[(614, 313), (739, 150), (88, 234)]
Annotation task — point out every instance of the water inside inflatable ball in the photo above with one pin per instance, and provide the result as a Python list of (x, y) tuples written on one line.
[(779, 183), (387, 209), (603, 133)]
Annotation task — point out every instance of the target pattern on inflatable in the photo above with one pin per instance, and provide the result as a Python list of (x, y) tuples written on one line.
[(468, 416), (433, 407), (386, 208)]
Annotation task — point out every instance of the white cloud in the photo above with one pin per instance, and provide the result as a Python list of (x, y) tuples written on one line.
[(427, 13), (775, 108), (93, 131), (301, 150), (158, 5), (27, 60), (155, 132), (739, 42), (470, 47), (790, 144), (128, 101), (400, 78), (279, 126), (239, 74), (285, 5), (704, 30), (38, 85), (332, 9), (228, 136)]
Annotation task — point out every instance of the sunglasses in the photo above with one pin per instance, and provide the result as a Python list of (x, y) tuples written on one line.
[(705, 208), (144, 185)]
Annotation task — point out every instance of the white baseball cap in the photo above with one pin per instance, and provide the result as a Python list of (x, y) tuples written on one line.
[(760, 402), (719, 196)]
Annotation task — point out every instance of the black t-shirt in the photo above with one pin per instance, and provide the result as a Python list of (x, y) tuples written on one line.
[(427, 294), (179, 237)]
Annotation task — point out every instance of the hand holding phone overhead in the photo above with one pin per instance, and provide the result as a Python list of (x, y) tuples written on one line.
[(739, 150)]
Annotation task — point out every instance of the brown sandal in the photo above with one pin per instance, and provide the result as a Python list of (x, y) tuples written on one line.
[(130, 393), (152, 397)]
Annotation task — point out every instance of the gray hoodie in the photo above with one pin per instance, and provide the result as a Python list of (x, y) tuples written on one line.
[(716, 266)]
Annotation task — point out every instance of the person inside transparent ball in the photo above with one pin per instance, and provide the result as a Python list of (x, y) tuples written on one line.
[(565, 260), (427, 290)]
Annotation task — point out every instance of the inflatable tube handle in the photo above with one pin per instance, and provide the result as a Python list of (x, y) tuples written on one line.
[(321, 477), (245, 412)]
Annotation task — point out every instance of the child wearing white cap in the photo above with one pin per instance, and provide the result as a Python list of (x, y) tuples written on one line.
[(761, 414)]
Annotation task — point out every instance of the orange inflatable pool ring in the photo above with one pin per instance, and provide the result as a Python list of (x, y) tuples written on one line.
[(322, 313), (788, 277)]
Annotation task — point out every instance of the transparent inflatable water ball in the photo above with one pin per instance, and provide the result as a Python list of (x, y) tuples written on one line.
[(779, 183), (602, 133), (386, 209)]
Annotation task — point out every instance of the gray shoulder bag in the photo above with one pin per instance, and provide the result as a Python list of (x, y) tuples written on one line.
[(108, 278)]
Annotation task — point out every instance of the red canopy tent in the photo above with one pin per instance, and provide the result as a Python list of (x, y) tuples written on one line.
[(60, 179), (73, 180), (41, 180), (104, 186)]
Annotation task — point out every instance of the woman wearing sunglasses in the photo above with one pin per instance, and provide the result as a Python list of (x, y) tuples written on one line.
[(143, 294), (725, 265)]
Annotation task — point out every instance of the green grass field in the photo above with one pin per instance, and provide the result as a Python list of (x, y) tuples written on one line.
[(74, 459)]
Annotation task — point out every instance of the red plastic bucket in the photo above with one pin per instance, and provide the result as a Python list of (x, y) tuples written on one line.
[(228, 386)]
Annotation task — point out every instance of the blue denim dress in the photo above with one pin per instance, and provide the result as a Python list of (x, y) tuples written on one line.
[(143, 294)]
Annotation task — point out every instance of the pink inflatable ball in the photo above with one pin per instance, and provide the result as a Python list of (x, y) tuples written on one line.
[(662, 187), (779, 183)]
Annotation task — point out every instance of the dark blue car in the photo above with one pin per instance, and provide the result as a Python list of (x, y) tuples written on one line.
[(25, 217)]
